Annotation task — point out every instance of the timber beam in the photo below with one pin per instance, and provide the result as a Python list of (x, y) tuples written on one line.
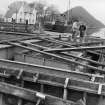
[(75, 84), (60, 58), (72, 44), (77, 49), (48, 70), (18, 39), (35, 46), (30, 95)]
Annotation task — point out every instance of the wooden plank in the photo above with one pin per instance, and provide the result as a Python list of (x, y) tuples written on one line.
[(44, 69), (29, 95), (76, 49), (59, 57), (63, 53), (17, 91), (71, 83), (72, 44)]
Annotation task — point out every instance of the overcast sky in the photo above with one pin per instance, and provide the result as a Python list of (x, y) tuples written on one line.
[(95, 7)]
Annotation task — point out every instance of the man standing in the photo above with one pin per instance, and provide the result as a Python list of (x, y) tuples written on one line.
[(82, 30), (75, 30), (26, 26)]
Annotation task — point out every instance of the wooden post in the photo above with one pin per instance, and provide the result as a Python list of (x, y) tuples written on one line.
[(65, 94), (22, 85), (100, 97), (44, 62), (42, 88), (65, 89), (38, 102), (2, 101), (101, 101), (24, 58), (20, 100), (84, 97)]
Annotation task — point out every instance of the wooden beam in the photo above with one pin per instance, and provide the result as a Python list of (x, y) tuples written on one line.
[(61, 82), (28, 94), (63, 53), (59, 57), (76, 49), (44, 69)]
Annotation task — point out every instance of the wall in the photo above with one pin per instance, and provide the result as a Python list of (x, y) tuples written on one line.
[(6, 53), (41, 61)]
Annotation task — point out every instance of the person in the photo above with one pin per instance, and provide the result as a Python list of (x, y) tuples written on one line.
[(26, 26), (75, 30), (13, 24), (82, 30)]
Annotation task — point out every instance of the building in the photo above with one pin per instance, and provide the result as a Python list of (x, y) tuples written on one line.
[(22, 14)]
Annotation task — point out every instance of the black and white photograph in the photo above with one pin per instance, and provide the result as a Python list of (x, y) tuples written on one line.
[(52, 52)]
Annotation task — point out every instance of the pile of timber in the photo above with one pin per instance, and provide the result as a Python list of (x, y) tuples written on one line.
[(42, 85)]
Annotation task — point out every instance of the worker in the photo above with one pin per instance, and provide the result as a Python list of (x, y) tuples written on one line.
[(13, 24), (26, 26), (75, 30), (82, 30)]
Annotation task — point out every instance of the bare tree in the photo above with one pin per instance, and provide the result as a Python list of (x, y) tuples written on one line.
[(14, 7), (39, 6), (52, 11)]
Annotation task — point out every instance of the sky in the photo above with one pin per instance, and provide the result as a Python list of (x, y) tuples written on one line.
[(94, 7)]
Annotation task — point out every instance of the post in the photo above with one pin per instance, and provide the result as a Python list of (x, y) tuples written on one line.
[(1, 99), (22, 85), (65, 89), (42, 88), (68, 10), (41, 97), (84, 97), (44, 62), (2, 102), (16, 15)]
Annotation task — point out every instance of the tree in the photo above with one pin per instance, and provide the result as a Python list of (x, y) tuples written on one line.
[(15, 6), (52, 11), (39, 6)]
